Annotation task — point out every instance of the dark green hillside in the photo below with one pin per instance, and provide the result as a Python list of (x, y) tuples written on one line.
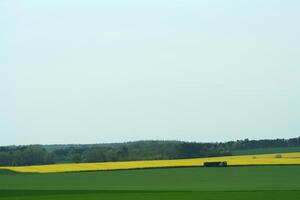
[(140, 150), (266, 150)]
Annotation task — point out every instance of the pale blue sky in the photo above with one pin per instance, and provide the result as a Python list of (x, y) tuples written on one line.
[(123, 70)]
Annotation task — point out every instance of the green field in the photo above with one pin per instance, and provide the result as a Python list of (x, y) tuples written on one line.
[(240, 183)]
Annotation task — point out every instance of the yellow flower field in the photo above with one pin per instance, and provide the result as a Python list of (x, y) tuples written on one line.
[(265, 159)]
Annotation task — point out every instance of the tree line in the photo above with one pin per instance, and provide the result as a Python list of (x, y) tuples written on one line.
[(141, 150)]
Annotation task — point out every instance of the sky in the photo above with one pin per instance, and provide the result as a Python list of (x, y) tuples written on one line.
[(125, 70)]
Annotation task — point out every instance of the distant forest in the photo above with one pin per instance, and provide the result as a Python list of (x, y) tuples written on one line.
[(141, 150)]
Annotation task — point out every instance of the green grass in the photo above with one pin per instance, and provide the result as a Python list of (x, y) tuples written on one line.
[(240, 183), (138, 195), (266, 151), (5, 171)]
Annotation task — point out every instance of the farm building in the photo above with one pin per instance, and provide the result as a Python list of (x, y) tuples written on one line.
[(215, 164)]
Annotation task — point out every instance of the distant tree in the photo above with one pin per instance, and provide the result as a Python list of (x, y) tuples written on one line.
[(76, 157), (95, 155), (5, 158)]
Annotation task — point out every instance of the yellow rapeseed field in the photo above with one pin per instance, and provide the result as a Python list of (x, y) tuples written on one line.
[(265, 159)]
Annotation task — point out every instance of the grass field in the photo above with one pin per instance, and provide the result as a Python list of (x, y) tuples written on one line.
[(240, 183), (264, 159)]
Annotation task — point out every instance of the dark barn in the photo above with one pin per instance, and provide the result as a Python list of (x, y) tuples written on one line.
[(215, 164)]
